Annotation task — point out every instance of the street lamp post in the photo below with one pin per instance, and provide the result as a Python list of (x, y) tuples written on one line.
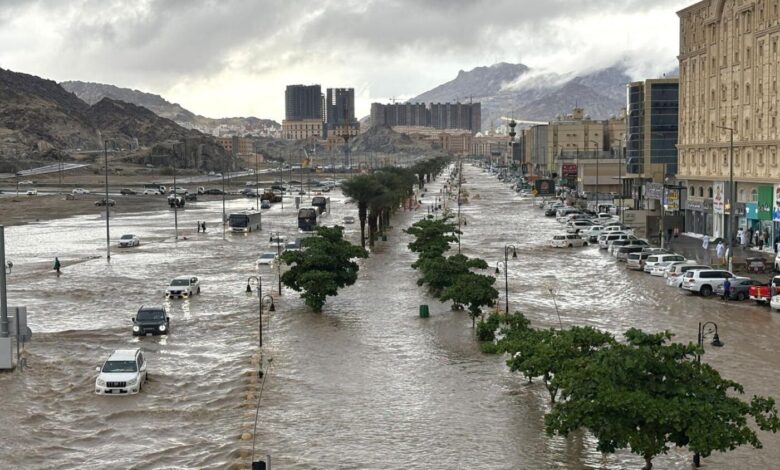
[(596, 148), (621, 158), (732, 204), (257, 186), (705, 329), (175, 200), (277, 237), (108, 237), (224, 217), (260, 298), (506, 272)]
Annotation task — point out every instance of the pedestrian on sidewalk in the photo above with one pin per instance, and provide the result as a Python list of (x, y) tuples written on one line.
[(705, 242), (760, 243), (750, 236), (740, 233), (720, 251), (726, 290)]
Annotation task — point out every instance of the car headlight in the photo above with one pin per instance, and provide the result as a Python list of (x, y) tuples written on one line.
[(162, 327), (136, 328), (132, 381), (101, 382)]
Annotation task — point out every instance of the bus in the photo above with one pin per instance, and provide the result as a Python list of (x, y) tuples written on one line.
[(244, 221), (307, 219)]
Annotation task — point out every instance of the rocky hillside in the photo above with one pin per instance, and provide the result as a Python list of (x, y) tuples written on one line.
[(39, 120), (383, 139), (515, 90), (93, 93)]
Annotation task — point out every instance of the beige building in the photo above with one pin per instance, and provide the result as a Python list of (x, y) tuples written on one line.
[(237, 146), (303, 129), (728, 79)]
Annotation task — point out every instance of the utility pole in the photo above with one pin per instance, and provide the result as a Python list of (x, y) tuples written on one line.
[(175, 200), (108, 237), (257, 194), (4, 333), (732, 205)]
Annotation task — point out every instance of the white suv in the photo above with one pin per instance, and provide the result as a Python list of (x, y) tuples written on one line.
[(705, 281), (183, 286), (661, 258), (124, 372)]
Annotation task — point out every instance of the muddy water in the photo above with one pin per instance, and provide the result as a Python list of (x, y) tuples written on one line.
[(366, 384)]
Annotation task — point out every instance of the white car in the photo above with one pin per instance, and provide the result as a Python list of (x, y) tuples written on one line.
[(183, 286), (591, 234), (567, 240), (278, 241), (150, 192), (661, 258), (78, 191), (676, 272), (124, 372), (579, 225), (618, 228), (32, 192), (266, 259), (129, 240), (606, 238), (349, 220), (602, 218), (705, 281), (660, 269), (775, 302)]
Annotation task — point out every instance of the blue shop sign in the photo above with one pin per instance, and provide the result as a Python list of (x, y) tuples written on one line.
[(751, 210)]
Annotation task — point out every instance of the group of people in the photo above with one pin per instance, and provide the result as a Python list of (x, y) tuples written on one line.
[(757, 238), (201, 226)]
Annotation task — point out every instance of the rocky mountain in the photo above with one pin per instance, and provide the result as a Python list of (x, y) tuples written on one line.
[(39, 118), (92, 93), (517, 91), (384, 139)]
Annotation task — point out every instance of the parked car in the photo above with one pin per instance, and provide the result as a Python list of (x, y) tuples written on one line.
[(105, 202), (606, 238), (618, 228), (26, 182), (661, 268), (265, 204), (150, 192), (278, 240), (266, 259), (348, 220), (661, 258), (622, 252), (740, 288), (602, 218), (127, 192), (78, 191), (775, 302), (32, 192), (551, 210), (129, 240), (591, 234), (213, 192), (705, 281), (151, 321), (675, 274), (762, 293), (637, 260), (124, 372), (567, 240), (183, 286), (630, 241), (577, 226)]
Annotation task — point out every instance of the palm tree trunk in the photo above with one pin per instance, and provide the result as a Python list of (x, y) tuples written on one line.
[(362, 217)]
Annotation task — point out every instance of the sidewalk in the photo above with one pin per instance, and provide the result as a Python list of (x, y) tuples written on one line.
[(690, 246)]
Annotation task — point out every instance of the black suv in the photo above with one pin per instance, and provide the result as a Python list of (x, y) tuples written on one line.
[(151, 320)]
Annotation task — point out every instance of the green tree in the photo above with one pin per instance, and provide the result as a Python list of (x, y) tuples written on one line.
[(547, 353), (362, 189), (474, 290), (439, 273), (646, 395), (432, 238), (323, 266)]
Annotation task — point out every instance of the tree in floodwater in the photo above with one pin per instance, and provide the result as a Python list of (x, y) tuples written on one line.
[(432, 237), (473, 290), (362, 189), (439, 273), (323, 266), (647, 394)]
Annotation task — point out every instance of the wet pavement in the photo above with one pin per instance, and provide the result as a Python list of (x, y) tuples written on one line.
[(366, 384)]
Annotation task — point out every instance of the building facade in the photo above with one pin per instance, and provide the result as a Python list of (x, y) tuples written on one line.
[(237, 146), (340, 109), (302, 102), (302, 129), (728, 87), (467, 116)]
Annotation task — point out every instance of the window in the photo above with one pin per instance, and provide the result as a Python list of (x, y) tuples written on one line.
[(709, 192), (693, 191), (701, 191), (754, 195), (741, 197)]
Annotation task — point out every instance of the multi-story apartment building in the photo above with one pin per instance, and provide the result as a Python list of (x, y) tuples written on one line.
[(302, 129), (340, 110), (466, 116), (304, 118), (237, 146), (728, 87)]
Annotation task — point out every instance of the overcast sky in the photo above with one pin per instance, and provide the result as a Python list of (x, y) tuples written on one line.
[(234, 57)]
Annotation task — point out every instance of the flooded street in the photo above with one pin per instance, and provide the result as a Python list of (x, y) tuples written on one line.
[(364, 385)]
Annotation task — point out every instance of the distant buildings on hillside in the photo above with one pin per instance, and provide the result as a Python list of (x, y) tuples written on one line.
[(311, 114), (466, 116)]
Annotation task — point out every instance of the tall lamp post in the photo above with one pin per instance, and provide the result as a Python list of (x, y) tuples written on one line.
[(506, 272), (257, 186), (108, 237), (706, 329), (277, 238), (596, 149), (257, 280), (175, 200), (732, 203), (621, 157)]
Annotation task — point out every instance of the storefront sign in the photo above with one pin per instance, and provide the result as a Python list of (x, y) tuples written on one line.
[(654, 191), (741, 209), (776, 217), (671, 201), (751, 210), (695, 205), (569, 169), (718, 198), (766, 202)]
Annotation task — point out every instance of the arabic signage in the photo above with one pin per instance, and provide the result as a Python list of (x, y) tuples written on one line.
[(699, 205), (672, 200), (776, 217), (751, 209), (717, 198), (569, 169), (765, 202), (654, 191)]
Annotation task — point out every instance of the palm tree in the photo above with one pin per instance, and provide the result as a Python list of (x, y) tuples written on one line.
[(362, 189)]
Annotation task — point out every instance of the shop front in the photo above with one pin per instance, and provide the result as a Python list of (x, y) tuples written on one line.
[(766, 206), (698, 215), (750, 222)]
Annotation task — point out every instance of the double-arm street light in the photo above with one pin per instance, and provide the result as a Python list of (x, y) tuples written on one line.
[(706, 329), (732, 203), (258, 281), (505, 263)]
